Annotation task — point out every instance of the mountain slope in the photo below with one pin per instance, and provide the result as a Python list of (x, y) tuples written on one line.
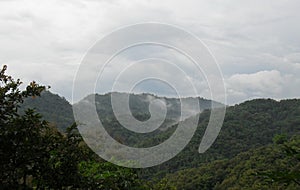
[(253, 169), (54, 109), (246, 135), (58, 111), (251, 124), (139, 104)]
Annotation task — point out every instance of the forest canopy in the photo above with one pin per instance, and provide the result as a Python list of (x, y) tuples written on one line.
[(258, 147)]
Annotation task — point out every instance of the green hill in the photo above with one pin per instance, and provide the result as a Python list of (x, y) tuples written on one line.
[(249, 125), (248, 129), (273, 166), (58, 111), (139, 105), (55, 109)]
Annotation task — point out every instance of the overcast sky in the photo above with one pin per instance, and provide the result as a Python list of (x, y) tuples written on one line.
[(256, 43)]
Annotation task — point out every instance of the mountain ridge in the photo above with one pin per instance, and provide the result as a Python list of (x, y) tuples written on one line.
[(248, 125), (58, 111)]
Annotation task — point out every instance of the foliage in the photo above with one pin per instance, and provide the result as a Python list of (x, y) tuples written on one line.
[(290, 150), (35, 155), (267, 167), (112, 177), (55, 109), (21, 143), (249, 125)]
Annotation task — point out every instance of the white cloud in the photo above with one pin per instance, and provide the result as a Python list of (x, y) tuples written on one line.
[(262, 81), (46, 41), (257, 85), (293, 57)]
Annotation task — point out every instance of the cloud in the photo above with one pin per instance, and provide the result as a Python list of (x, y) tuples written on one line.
[(293, 57), (256, 42), (257, 85), (262, 81)]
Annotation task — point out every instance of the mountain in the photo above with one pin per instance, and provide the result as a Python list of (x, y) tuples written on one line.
[(274, 166), (54, 109), (247, 126), (139, 104), (58, 111)]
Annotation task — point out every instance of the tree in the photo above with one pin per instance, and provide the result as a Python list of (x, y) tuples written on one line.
[(289, 172), (21, 136), (35, 155)]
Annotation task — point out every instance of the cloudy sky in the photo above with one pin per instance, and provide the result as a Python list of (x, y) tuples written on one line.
[(256, 43)]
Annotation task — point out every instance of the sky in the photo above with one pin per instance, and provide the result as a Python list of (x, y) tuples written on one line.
[(256, 43)]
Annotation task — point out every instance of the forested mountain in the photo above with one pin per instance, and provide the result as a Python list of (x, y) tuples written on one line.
[(58, 111), (55, 109), (34, 155), (139, 105), (274, 166), (246, 137), (249, 125)]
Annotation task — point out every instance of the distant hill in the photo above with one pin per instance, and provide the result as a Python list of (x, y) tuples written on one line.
[(252, 169), (249, 125), (54, 109), (58, 111), (139, 107), (139, 104)]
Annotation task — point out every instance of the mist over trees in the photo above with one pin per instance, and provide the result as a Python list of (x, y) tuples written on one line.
[(258, 147)]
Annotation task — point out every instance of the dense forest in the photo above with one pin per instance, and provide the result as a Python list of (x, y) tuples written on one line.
[(40, 147)]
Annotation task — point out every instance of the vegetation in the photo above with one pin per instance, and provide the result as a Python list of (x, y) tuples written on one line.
[(274, 166), (249, 125), (258, 147), (55, 109), (34, 154)]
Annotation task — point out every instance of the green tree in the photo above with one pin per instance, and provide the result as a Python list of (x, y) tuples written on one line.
[(34, 154), (21, 136), (290, 150)]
